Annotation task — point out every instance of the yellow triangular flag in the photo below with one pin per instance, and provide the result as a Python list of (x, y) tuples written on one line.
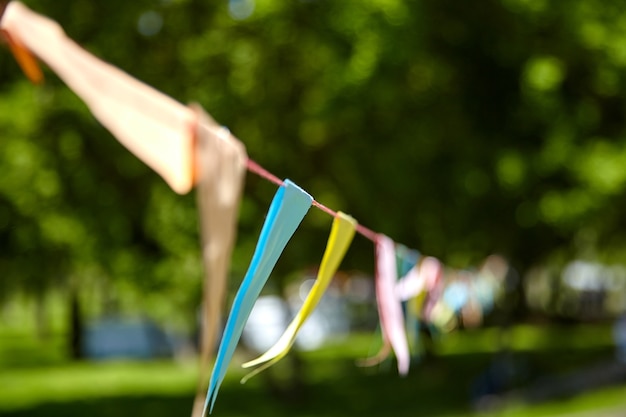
[(341, 235)]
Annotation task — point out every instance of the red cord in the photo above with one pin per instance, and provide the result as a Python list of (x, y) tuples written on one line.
[(262, 172)]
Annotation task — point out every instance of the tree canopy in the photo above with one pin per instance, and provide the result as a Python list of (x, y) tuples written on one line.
[(457, 128)]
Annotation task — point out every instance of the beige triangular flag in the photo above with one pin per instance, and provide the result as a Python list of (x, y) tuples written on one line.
[(183, 144), (221, 160), (153, 126)]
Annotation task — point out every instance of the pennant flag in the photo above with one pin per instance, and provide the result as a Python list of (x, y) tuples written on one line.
[(421, 278), (489, 281), (442, 317), (433, 272), (485, 286), (415, 287), (288, 208), (185, 146), (341, 235), (407, 260), (221, 161), (453, 298), (410, 285), (456, 294), (389, 307), (472, 313), (24, 58), (153, 126)]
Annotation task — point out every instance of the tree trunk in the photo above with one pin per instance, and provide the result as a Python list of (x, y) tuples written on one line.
[(75, 326)]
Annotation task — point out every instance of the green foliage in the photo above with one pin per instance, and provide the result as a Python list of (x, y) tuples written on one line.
[(457, 128)]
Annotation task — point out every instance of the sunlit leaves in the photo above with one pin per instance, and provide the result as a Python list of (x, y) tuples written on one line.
[(565, 209), (364, 58), (171, 223), (544, 73), (526, 6), (65, 230), (601, 166), (511, 170), (457, 128)]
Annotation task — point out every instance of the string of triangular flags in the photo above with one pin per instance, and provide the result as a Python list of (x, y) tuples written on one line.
[(187, 148)]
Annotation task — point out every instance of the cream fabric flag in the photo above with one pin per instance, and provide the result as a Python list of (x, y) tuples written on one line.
[(153, 126), (341, 234), (221, 161)]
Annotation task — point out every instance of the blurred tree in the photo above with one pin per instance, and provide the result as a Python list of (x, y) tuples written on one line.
[(457, 128)]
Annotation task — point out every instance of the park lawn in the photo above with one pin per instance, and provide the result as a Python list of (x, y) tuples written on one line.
[(332, 383)]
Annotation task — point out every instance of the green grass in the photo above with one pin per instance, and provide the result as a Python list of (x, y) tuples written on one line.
[(27, 387), (19, 350), (332, 384), (593, 404)]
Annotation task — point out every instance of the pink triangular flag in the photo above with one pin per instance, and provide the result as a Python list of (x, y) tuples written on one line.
[(389, 307)]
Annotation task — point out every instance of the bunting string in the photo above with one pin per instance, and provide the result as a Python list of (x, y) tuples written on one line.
[(255, 168), (188, 149)]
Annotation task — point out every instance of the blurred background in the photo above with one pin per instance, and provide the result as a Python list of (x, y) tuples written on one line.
[(460, 129)]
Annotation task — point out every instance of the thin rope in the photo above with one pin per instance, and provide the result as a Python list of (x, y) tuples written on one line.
[(262, 172), (255, 168)]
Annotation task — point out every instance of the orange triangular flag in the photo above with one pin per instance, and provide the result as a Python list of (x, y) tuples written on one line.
[(24, 58)]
